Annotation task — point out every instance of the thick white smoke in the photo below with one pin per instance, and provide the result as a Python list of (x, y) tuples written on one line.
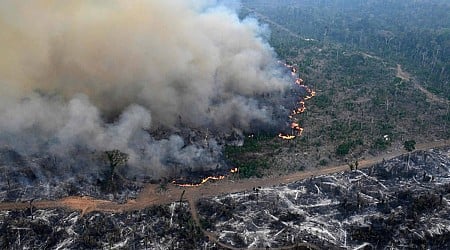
[(99, 75)]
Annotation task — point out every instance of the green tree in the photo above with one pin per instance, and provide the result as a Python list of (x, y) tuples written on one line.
[(409, 146), (343, 149), (116, 158)]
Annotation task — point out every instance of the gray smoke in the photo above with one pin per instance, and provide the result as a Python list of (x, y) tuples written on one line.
[(102, 75)]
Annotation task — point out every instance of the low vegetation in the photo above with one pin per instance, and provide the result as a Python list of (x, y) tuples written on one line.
[(364, 105)]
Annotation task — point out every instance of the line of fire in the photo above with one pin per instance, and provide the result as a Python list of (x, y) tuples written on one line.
[(296, 129)]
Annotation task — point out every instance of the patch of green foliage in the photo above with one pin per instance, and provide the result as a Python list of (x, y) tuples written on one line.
[(344, 148), (252, 168), (248, 157), (409, 145), (322, 101), (323, 162), (381, 143), (341, 130)]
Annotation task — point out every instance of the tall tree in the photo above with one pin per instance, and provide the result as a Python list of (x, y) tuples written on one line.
[(409, 146), (116, 158)]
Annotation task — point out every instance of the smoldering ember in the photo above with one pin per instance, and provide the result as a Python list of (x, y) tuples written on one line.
[(214, 124)]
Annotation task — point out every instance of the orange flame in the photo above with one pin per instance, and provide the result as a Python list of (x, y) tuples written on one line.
[(300, 109), (299, 81), (312, 93), (204, 180), (286, 137)]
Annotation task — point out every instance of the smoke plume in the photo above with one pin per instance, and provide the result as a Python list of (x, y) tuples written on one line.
[(82, 76)]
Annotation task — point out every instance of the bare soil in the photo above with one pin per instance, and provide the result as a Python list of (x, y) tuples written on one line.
[(407, 77), (153, 195)]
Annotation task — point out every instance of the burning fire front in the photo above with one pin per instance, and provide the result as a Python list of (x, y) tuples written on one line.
[(296, 129)]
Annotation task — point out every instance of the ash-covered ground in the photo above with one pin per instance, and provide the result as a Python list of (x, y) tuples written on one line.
[(183, 154), (170, 98), (400, 203), (160, 227), (39, 177), (99, 174)]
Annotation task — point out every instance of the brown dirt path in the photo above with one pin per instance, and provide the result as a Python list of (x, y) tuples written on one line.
[(430, 96), (151, 195)]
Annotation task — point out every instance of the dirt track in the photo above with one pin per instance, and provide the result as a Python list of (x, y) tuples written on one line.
[(151, 194), (430, 96)]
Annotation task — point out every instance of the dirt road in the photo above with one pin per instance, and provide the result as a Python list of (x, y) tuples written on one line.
[(151, 194), (430, 96)]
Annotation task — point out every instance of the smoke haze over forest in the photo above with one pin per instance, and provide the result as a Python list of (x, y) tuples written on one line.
[(99, 75)]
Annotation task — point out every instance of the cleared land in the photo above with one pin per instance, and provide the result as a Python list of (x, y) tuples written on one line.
[(153, 195)]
